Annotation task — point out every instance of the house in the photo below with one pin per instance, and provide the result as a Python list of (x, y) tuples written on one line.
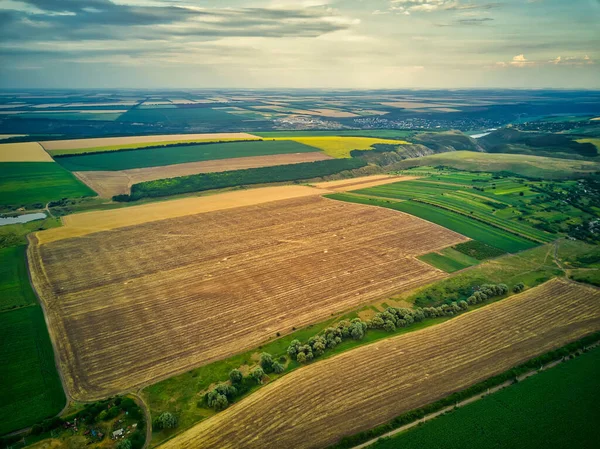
[(117, 433)]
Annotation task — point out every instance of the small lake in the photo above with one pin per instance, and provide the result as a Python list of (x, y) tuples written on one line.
[(21, 219)]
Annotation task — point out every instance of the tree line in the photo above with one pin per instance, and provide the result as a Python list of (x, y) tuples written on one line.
[(233, 178)]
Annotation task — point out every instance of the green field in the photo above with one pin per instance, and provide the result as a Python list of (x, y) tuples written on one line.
[(557, 408), (30, 183), (30, 389), (449, 260), (474, 229), (381, 133), (488, 204), (524, 165), (157, 157), (180, 116), (14, 280), (72, 115), (478, 250)]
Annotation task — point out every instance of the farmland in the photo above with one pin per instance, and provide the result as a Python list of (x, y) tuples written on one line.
[(345, 394), (14, 282), (110, 183), (23, 152), (560, 406), (376, 133), (30, 387), (156, 157), (449, 260), (75, 146), (30, 183), (323, 257), (340, 147), (471, 228), (524, 165), (233, 178)]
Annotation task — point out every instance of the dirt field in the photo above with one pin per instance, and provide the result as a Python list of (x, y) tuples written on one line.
[(23, 152), (362, 182), (137, 304), (110, 141), (362, 388), (110, 183), (77, 225)]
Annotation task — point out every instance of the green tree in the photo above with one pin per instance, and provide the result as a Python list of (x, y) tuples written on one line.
[(266, 362), (166, 420), (236, 376), (257, 374), (278, 368)]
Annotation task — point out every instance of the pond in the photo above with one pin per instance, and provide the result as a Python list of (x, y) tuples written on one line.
[(21, 219)]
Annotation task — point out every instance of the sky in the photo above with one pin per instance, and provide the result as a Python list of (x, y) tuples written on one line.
[(362, 44)]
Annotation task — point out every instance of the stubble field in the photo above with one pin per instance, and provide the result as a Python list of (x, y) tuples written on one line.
[(138, 304), (370, 385)]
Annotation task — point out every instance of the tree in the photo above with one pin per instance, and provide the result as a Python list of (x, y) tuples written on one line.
[(293, 349), (236, 376), (166, 420), (217, 400), (301, 357), (257, 374), (519, 287), (266, 362), (278, 368)]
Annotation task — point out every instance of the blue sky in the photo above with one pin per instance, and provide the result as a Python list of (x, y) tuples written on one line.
[(300, 44)]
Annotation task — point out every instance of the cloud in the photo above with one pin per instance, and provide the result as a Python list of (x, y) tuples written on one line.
[(67, 20), (474, 21), (521, 61), (438, 5)]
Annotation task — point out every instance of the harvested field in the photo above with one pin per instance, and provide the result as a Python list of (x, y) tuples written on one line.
[(23, 152), (110, 183), (112, 141), (370, 385), (178, 293), (77, 225), (363, 182)]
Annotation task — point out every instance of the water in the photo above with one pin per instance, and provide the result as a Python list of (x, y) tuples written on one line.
[(22, 219)]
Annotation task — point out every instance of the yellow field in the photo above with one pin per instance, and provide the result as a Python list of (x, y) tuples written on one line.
[(77, 225), (357, 390), (595, 142), (23, 152), (118, 143), (340, 147)]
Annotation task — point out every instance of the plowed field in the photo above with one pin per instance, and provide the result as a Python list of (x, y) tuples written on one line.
[(357, 390), (136, 304)]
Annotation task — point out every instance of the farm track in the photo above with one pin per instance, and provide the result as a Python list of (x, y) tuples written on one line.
[(372, 384), (138, 304)]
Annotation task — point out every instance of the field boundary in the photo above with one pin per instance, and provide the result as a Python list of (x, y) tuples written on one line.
[(476, 397)]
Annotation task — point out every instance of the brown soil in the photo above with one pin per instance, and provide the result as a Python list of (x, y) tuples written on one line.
[(137, 304), (362, 388)]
